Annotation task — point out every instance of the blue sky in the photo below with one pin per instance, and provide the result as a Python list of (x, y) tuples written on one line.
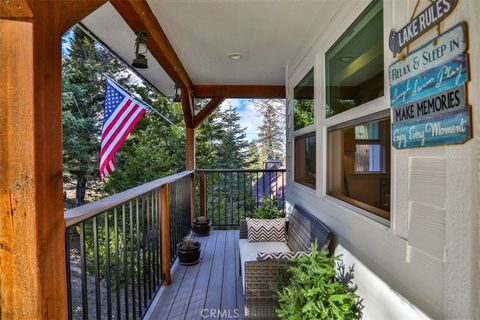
[(249, 118)]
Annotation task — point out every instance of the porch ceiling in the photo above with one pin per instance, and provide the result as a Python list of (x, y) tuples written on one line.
[(204, 32)]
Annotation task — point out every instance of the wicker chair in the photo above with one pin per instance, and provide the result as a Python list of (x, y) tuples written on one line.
[(262, 278)]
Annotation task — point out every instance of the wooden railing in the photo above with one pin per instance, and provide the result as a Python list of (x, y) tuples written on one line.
[(120, 248), (227, 196)]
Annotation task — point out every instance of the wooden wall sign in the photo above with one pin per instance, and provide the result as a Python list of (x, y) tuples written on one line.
[(423, 22), (428, 93)]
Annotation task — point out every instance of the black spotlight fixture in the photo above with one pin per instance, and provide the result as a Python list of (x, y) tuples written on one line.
[(140, 60), (176, 94)]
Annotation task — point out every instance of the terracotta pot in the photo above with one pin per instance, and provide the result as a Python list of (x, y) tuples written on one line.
[(190, 255), (201, 229)]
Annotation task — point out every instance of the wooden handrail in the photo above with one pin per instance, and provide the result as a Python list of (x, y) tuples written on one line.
[(82, 213)]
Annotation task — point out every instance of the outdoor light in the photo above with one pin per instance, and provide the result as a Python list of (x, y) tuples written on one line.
[(140, 60), (176, 94)]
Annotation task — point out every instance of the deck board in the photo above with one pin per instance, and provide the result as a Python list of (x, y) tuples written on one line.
[(214, 283)]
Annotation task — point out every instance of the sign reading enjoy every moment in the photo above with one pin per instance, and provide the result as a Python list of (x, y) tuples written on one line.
[(428, 96), (426, 20)]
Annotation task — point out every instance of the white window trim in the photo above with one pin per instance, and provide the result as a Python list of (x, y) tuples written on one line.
[(371, 107)]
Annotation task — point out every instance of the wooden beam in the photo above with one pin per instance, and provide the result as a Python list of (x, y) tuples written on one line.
[(190, 149), (239, 91), (139, 16), (187, 105), (15, 9), (74, 11), (207, 110), (32, 226), (165, 229)]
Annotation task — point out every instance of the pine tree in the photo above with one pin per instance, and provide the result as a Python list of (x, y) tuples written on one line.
[(82, 102), (233, 144), (271, 135)]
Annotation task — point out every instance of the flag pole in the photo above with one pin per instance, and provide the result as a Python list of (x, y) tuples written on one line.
[(144, 103)]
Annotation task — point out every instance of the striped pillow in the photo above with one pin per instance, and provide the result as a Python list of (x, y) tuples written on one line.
[(266, 230), (262, 256)]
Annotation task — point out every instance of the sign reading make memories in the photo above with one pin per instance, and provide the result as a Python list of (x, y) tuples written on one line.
[(428, 95)]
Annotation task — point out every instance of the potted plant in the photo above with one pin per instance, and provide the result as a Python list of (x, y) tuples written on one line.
[(188, 251), (268, 209), (319, 289), (201, 226)]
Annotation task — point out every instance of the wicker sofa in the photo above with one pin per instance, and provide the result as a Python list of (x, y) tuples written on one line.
[(261, 277)]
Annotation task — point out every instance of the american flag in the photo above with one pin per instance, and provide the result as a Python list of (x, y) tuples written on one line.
[(122, 113)]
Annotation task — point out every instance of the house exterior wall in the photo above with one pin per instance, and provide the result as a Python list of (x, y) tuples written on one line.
[(426, 262)]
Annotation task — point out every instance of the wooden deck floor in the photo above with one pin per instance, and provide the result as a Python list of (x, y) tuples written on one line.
[(213, 285)]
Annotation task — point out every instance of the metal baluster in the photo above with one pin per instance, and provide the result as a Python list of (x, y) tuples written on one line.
[(69, 273), (83, 267), (139, 287), (257, 182), (97, 269), (132, 262), (147, 247), (144, 253), (244, 195), (117, 263), (125, 261), (225, 198), (107, 267)]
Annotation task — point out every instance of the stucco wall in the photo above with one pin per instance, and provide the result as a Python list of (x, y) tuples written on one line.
[(429, 253)]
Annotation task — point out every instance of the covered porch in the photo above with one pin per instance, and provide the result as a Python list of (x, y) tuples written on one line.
[(116, 258)]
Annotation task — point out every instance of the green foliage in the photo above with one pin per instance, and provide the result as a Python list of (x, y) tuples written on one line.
[(303, 113), (315, 291), (271, 134), (268, 209)]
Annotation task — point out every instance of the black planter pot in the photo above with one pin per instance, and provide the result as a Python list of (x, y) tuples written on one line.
[(201, 229), (188, 256)]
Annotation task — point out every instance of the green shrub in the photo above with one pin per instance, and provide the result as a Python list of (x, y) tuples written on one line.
[(317, 292), (268, 209)]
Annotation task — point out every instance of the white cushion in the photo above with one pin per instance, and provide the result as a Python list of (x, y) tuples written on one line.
[(250, 250)]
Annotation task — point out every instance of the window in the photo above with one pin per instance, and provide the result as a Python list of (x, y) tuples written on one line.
[(305, 158), (303, 114), (358, 164), (354, 64)]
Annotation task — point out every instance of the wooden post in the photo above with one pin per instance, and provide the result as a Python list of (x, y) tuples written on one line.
[(165, 229), (32, 226), (190, 149), (202, 194), (190, 165)]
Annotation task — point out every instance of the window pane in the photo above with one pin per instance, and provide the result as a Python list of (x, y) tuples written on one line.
[(305, 167), (354, 64), (303, 102), (359, 166)]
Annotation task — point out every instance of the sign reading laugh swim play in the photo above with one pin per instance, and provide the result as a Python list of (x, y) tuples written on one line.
[(428, 95)]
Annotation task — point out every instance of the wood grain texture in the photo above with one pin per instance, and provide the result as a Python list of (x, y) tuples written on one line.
[(139, 16), (78, 214), (15, 9), (190, 149), (32, 227), (207, 110), (165, 229), (187, 106), (239, 91), (205, 286)]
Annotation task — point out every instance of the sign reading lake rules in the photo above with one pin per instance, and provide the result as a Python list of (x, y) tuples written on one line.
[(423, 22), (428, 95)]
